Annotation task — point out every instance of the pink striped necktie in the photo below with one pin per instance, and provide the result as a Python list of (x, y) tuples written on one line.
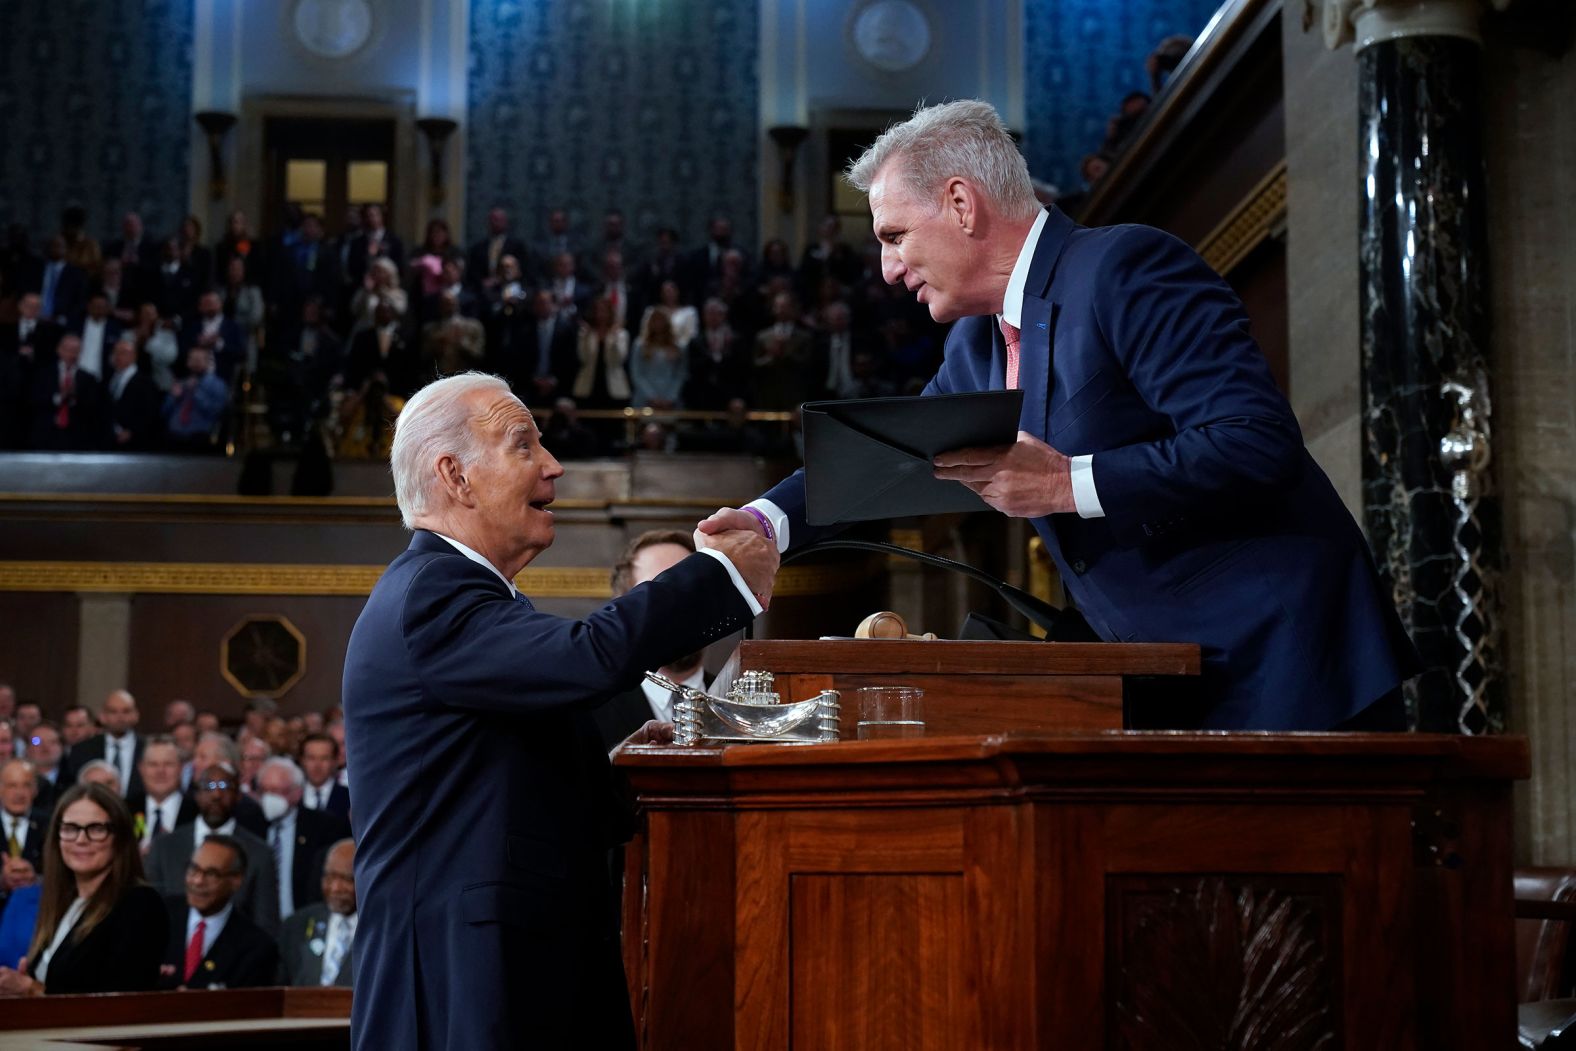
[(1010, 334)]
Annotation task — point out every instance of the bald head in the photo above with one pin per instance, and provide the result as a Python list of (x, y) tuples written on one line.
[(118, 714)]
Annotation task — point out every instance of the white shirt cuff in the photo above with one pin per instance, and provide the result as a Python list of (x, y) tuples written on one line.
[(738, 581), (1085, 498), (775, 516)]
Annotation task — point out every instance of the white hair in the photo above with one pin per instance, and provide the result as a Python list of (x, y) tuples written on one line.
[(279, 762), (964, 138), (435, 422)]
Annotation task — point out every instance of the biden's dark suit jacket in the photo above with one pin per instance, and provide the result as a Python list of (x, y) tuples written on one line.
[(483, 803), (1219, 527)]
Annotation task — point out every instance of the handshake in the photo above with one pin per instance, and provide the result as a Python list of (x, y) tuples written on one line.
[(742, 538)]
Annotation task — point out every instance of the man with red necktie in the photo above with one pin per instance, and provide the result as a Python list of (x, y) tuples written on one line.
[(67, 402), (1161, 466)]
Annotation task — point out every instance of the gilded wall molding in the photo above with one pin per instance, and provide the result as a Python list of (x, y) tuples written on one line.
[(1254, 218), (228, 578)]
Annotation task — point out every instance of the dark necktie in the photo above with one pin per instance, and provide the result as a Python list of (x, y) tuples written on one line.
[(155, 828), (520, 598)]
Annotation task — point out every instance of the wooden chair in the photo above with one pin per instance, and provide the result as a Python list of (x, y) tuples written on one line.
[(1545, 909)]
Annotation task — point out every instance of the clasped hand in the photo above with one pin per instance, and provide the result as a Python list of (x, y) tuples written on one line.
[(17, 983), (1027, 479), (738, 535)]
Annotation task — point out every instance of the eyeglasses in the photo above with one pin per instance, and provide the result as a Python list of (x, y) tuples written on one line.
[(215, 786), (97, 832), (196, 871)]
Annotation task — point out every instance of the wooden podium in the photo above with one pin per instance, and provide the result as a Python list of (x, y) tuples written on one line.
[(989, 687), (1137, 890)]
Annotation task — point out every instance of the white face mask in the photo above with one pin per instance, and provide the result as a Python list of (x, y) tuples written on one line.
[(275, 806)]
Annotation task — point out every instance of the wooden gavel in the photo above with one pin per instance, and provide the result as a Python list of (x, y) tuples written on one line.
[(886, 625)]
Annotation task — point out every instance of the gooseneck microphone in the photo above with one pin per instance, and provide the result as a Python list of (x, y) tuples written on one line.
[(1061, 625)]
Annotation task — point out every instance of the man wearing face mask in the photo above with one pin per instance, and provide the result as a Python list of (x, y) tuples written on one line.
[(216, 789), (297, 837)]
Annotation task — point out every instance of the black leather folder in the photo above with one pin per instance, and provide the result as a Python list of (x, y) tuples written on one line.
[(869, 458)]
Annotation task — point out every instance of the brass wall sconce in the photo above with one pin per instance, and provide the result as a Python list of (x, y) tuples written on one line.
[(215, 124), (437, 130), (788, 137)]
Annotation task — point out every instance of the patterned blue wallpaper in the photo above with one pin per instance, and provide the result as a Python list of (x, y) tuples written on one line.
[(1080, 57), (95, 110), (590, 104)]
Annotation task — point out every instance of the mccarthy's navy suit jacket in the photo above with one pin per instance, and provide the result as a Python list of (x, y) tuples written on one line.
[(483, 803), (1219, 528)]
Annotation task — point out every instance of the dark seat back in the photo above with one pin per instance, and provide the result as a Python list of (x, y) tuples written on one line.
[(1545, 909)]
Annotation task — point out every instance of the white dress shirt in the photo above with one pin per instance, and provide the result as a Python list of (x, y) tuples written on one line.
[(201, 831), (315, 797), (661, 700), (117, 383), (167, 809), (93, 357), (281, 839), (124, 748), (15, 827), (1085, 499), (211, 932)]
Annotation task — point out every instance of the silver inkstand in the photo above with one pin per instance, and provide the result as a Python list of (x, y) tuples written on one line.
[(751, 713)]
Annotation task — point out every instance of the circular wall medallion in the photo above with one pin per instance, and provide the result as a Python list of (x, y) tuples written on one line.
[(332, 28), (891, 35)]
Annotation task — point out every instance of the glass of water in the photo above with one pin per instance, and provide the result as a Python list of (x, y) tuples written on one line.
[(889, 711)]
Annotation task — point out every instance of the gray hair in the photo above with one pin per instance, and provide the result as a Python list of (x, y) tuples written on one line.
[(964, 138), (435, 422), (99, 764), (297, 778), (231, 750)]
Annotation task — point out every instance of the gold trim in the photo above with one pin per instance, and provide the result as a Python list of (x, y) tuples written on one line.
[(1248, 224), (227, 578)]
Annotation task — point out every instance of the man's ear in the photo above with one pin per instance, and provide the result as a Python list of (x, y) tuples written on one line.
[(451, 475), (961, 204)]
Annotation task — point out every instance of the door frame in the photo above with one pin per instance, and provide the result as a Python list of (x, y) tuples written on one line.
[(406, 197)]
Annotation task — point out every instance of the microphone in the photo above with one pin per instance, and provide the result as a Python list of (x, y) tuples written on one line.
[(1061, 625)]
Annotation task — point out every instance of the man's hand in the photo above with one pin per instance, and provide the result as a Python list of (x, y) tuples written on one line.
[(724, 519), (1027, 479), (752, 555), (654, 731)]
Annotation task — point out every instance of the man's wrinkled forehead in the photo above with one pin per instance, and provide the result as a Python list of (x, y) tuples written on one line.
[(501, 413)]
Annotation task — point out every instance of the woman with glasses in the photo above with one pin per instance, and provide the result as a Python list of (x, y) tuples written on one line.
[(101, 929)]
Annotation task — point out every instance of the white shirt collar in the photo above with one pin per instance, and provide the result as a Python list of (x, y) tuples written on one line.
[(211, 932), (661, 701), (480, 561), (201, 830), (1012, 307)]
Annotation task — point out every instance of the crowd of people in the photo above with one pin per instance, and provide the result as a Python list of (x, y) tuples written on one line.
[(1161, 63), (140, 343), (190, 858)]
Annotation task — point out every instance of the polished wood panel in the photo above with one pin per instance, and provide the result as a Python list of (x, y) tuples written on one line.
[(972, 687), (1107, 890), (302, 1019), (37, 649), (874, 965)]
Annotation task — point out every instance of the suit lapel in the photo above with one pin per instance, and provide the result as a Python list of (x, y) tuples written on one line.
[(1039, 323), (1034, 363)]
